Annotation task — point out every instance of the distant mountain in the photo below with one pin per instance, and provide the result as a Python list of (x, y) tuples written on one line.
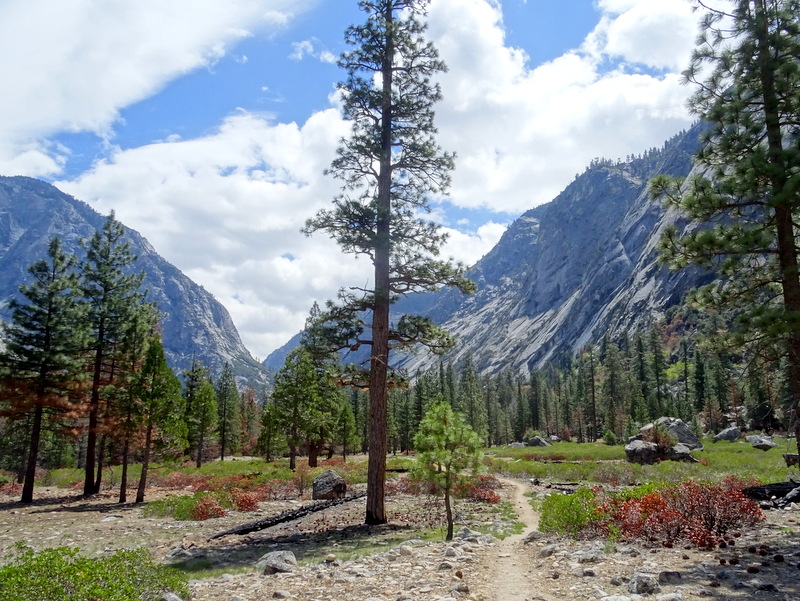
[(567, 272), (195, 324)]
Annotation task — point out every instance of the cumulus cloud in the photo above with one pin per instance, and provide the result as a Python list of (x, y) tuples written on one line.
[(226, 207), (523, 131), (71, 66)]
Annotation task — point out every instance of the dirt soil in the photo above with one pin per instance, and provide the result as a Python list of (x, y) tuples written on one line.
[(520, 567)]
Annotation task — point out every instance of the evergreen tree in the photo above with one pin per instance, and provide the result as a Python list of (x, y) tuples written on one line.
[(470, 400), (161, 409), (389, 167), (747, 74), (204, 418), (41, 362), (112, 295), (249, 420), (271, 440), (296, 397), (446, 448), (192, 378), (345, 433), (228, 423)]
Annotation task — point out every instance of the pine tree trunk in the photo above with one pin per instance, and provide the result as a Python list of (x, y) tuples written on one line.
[(33, 454), (123, 485), (94, 412), (145, 462), (448, 508), (100, 462), (200, 448)]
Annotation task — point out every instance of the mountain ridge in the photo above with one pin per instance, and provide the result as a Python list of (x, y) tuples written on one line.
[(194, 323), (566, 272)]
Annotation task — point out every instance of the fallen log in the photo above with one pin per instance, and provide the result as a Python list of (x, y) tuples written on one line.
[(289, 515), (779, 494)]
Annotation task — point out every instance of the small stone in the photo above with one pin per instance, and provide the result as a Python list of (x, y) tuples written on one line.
[(281, 594), (405, 550), (547, 550), (446, 565), (460, 587), (588, 572), (330, 558), (616, 581), (670, 577), (555, 575), (643, 583)]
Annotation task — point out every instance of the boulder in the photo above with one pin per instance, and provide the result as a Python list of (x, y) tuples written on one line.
[(277, 561), (538, 441), (680, 452), (764, 444), (329, 485), (516, 445), (731, 434), (678, 429), (791, 459), (639, 451)]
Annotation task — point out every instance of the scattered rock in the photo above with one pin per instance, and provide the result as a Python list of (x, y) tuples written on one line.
[(277, 562), (547, 550), (670, 577), (329, 485), (643, 583), (281, 594), (764, 444), (731, 434)]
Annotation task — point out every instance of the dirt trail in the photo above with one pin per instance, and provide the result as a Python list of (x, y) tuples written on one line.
[(512, 577)]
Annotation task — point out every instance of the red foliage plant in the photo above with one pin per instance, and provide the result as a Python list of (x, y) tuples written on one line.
[(243, 500), (700, 513), (207, 508)]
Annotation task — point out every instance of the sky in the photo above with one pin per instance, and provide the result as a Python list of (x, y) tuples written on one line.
[(207, 125)]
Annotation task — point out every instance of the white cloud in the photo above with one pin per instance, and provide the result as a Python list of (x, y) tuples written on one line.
[(71, 66), (226, 207), (522, 132)]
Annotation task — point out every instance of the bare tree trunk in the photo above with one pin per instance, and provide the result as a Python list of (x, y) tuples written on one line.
[(33, 454), (145, 462)]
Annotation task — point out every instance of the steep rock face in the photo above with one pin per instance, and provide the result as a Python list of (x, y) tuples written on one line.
[(568, 272), (195, 324)]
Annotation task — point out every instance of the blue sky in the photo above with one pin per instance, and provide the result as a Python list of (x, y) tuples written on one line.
[(207, 125)]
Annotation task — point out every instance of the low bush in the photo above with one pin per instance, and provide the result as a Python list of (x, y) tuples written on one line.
[(701, 514), (63, 575), (569, 514)]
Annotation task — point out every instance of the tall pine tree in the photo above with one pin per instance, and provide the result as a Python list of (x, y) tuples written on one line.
[(41, 363), (390, 166), (747, 70)]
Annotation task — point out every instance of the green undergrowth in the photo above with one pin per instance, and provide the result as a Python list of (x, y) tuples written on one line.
[(63, 575), (603, 464)]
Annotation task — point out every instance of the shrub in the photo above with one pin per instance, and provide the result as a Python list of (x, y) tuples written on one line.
[(480, 488), (569, 514), (62, 575), (206, 508), (701, 514), (12, 489), (244, 501)]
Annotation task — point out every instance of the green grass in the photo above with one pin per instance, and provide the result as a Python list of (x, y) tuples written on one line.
[(603, 464), (63, 575)]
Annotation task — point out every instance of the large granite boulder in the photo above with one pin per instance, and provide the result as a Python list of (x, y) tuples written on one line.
[(731, 434), (329, 485), (647, 453), (678, 429), (538, 441), (639, 451), (680, 452)]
